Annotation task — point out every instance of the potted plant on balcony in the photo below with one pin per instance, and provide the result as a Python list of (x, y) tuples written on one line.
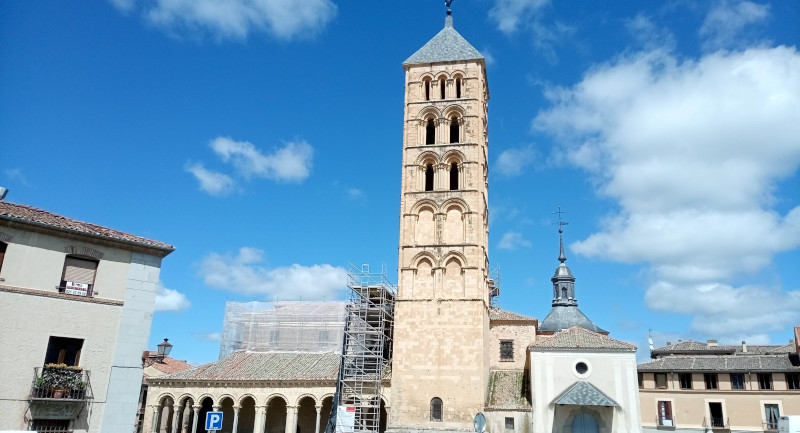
[(60, 379)]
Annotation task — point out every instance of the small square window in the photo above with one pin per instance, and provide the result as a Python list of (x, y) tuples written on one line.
[(507, 350), (737, 381), (686, 380), (509, 423), (711, 380), (764, 380), (793, 380), (661, 380)]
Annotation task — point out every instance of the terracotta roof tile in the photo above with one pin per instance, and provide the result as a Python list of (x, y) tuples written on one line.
[(500, 314), (31, 215), (580, 338), (265, 366), (168, 365)]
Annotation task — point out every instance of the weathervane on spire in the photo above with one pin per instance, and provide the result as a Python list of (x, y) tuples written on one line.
[(561, 257), (448, 3)]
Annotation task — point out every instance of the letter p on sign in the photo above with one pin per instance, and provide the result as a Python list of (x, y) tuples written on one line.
[(213, 420)]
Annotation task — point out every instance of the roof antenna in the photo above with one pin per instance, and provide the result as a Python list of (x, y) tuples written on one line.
[(448, 3)]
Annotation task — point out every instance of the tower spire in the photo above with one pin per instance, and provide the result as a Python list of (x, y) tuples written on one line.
[(561, 257)]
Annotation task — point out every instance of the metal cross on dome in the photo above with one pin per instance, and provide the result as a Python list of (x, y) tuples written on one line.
[(448, 3), (559, 212)]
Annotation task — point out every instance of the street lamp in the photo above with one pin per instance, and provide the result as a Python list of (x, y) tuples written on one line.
[(164, 349)]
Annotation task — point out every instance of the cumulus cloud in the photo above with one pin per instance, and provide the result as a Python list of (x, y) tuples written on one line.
[(512, 162), (726, 20), (170, 300), (290, 163), (244, 273), (508, 14), (692, 151), (512, 241), (212, 182), (235, 19)]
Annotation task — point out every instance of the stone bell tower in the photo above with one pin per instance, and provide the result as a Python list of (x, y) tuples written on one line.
[(440, 361)]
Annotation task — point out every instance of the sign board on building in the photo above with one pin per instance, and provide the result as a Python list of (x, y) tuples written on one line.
[(80, 289), (214, 421), (345, 419)]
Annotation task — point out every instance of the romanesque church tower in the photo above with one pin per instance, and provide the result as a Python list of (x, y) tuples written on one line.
[(440, 361)]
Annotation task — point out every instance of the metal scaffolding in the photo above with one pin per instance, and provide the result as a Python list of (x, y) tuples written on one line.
[(367, 345), (494, 286), (294, 326)]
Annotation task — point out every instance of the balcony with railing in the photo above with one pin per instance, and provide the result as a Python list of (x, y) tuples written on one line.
[(59, 392), (771, 426), (716, 423)]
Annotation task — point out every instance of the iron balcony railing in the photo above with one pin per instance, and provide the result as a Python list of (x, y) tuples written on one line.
[(60, 383), (716, 422), (771, 426)]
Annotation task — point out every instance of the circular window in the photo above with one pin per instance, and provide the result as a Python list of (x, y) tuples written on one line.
[(581, 368)]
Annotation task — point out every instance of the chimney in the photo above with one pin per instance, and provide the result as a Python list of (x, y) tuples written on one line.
[(712, 343), (744, 346)]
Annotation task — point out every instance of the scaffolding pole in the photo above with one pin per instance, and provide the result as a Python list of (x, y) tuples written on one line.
[(367, 345)]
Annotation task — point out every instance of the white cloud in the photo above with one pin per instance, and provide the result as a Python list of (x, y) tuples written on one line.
[(245, 274), (692, 151), (511, 162), (355, 193), (170, 300), (512, 241), (291, 163), (648, 34), (509, 13), (726, 20), (212, 182), (235, 19)]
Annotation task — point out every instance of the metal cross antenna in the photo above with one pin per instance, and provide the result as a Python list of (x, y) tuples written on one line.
[(560, 223), (448, 3)]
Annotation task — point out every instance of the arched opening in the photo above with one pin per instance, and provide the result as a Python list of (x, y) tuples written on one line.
[(206, 406), (429, 177), (325, 413), (442, 88), (166, 415), (458, 87), (226, 407), (454, 130), (563, 293), (247, 415), (453, 176), (426, 83), (186, 415), (276, 416), (436, 409), (430, 132), (306, 415)]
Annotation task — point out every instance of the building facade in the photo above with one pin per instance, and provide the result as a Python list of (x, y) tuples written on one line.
[(696, 387), (77, 302)]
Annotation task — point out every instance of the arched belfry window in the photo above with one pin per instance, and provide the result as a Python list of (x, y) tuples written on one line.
[(563, 293), (429, 177), (454, 176), (442, 88), (430, 132), (426, 83), (454, 130), (436, 409), (458, 87)]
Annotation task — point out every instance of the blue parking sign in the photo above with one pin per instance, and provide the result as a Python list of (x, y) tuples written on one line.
[(214, 421)]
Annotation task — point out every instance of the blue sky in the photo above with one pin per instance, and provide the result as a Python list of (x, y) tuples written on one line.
[(263, 139)]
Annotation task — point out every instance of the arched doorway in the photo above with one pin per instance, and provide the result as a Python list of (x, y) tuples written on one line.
[(584, 423)]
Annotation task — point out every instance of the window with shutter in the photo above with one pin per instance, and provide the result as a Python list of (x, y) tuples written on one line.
[(78, 276), (665, 414)]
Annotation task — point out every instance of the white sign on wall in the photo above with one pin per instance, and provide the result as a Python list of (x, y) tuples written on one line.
[(345, 419), (80, 289)]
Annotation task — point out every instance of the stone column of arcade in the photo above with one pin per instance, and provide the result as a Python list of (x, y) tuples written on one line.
[(176, 418), (196, 409), (154, 426), (235, 418), (187, 410), (319, 414), (261, 418), (291, 419)]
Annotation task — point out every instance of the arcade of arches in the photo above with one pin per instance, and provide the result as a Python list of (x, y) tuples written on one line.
[(246, 413)]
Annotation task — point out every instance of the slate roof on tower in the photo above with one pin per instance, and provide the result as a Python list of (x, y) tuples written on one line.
[(578, 337), (447, 46)]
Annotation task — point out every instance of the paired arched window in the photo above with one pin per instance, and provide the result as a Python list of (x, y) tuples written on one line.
[(436, 409), (458, 87), (454, 176), (430, 132), (442, 88), (454, 129), (429, 177), (426, 83)]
